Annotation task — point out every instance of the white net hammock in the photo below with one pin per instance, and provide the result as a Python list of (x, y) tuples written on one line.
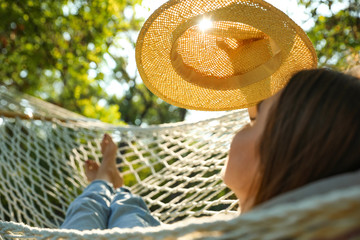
[(174, 167)]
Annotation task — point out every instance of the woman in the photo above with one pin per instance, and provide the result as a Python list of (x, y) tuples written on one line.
[(307, 132)]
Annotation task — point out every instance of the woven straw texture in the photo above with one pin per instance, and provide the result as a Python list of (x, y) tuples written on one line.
[(174, 167), (248, 53)]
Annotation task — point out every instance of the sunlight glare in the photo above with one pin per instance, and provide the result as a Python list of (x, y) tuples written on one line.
[(205, 24)]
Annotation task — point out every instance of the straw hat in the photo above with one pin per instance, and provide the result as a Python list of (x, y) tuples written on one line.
[(220, 54)]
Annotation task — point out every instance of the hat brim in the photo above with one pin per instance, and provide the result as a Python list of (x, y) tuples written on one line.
[(156, 40)]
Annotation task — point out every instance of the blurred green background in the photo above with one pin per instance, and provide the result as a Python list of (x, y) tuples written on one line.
[(79, 54)]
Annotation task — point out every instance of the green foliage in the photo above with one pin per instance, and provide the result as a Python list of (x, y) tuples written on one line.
[(336, 36), (55, 50), (140, 104)]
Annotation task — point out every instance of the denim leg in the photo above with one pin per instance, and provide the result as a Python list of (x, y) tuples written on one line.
[(91, 209), (128, 211)]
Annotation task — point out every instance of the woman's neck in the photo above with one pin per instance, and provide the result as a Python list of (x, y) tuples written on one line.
[(245, 205)]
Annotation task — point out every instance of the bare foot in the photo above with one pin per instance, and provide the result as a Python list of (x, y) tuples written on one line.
[(108, 170), (91, 168)]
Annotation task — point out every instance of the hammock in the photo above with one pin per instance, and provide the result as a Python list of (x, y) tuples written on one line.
[(174, 167)]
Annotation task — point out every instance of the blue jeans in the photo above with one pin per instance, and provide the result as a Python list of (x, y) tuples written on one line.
[(102, 207)]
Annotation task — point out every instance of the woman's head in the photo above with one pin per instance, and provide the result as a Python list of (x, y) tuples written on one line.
[(311, 131), (241, 171)]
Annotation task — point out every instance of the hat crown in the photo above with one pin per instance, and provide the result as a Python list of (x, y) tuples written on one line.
[(224, 50)]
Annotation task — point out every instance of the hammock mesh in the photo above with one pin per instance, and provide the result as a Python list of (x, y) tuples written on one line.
[(174, 167)]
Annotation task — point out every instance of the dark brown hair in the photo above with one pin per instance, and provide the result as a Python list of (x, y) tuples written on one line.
[(312, 132)]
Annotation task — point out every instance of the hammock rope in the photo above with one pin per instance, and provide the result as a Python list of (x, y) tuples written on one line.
[(320, 217), (174, 167)]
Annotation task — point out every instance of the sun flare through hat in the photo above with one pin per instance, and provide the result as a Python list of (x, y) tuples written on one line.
[(221, 54)]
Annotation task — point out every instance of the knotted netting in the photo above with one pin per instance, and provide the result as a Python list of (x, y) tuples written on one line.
[(174, 167)]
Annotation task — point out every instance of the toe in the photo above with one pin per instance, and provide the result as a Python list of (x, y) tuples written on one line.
[(104, 142), (93, 164), (90, 165)]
